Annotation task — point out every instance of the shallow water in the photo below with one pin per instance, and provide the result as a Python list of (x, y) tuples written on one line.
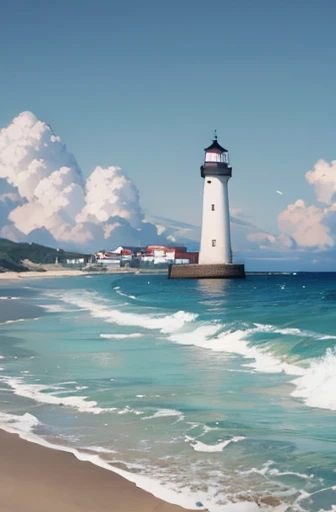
[(220, 391)]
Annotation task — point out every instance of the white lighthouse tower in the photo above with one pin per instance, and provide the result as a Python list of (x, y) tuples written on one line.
[(215, 257), (216, 239)]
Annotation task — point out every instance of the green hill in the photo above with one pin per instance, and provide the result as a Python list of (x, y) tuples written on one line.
[(12, 255)]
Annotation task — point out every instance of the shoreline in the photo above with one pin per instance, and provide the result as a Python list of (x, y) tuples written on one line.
[(13, 276), (36, 478)]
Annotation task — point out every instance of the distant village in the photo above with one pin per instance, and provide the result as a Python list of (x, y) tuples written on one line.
[(152, 256), (157, 256)]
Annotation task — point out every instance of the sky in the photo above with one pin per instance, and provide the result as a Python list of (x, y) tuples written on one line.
[(143, 85)]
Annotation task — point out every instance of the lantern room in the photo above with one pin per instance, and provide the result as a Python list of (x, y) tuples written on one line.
[(216, 160), (216, 153)]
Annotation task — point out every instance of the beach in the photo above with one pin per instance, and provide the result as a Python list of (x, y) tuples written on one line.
[(10, 276), (34, 478), (62, 272)]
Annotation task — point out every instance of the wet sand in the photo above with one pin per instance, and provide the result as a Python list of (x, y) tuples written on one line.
[(38, 479)]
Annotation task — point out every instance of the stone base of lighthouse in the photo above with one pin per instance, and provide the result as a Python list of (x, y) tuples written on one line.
[(197, 271)]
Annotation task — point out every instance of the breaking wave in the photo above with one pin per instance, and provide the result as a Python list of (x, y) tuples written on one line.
[(163, 323)]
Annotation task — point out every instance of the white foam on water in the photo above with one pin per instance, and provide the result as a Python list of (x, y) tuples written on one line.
[(37, 392), (121, 336), (315, 385), (318, 383), (98, 449), (103, 310), (162, 413), (56, 308), (14, 321), (198, 446), (9, 298), (293, 331), (128, 410), (202, 337), (119, 292), (18, 424), (276, 472), (267, 470), (236, 342)]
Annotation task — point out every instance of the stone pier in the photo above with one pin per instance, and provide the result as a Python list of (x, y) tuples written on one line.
[(213, 271)]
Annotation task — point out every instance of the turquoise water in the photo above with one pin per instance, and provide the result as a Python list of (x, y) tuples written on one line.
[(221, 393)]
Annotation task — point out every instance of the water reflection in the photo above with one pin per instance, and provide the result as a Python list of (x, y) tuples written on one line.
[(210, 287)]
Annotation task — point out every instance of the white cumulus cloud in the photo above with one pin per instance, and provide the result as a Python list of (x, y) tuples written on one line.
[(109, 193), (43, 192), (305, 225), (323, 178)]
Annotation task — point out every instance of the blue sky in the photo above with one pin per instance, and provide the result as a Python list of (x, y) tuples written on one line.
[(143, 84)]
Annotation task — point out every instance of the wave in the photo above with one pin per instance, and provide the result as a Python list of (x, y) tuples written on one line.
[(121, 336), (198, 446), (37, 392), (56, 308), (318, 383), (98, 449), (267, 470), (163, 413), (17, 320), (18, 424), (293, 331), (236, 342), (119, 292), (315, 384), (165, 324)]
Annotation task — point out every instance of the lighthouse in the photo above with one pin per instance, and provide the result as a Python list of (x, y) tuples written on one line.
[(216, 240), (215, 256)]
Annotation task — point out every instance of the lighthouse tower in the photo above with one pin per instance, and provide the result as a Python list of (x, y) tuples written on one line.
[(215, 239), (215, 257)]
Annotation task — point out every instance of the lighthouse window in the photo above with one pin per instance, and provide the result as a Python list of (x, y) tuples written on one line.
[(213, 243), (213, 157), (209, 182), (213, 207)]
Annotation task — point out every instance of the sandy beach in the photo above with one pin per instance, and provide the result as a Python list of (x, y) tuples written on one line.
[(34, 274), (38, 479), (73, 273)]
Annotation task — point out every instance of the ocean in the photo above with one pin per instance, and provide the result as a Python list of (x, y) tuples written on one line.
[(207, 393)]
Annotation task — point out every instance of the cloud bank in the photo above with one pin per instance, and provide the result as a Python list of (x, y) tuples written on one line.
[(44, 196)]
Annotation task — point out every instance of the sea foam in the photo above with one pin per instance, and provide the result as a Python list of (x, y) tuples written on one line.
[(121, 336), (37, 392), (315, 385), (213, 338), (162, 413), (104, 310), (18, 424), (318, 383), (198, 446)]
